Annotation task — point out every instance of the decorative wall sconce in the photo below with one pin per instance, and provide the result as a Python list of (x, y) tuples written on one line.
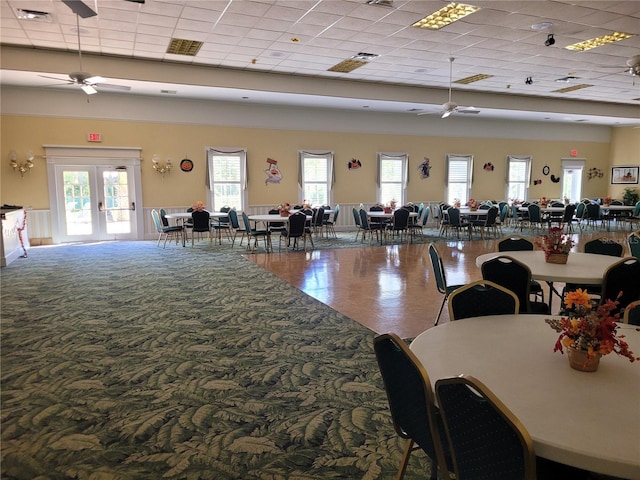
[(22, 167), (160, 167)]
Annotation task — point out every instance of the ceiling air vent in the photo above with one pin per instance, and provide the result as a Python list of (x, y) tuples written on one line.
[(380, 3), (572, 88), (473, 78), (180, 46)]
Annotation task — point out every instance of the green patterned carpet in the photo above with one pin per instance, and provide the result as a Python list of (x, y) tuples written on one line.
[(127, 361)]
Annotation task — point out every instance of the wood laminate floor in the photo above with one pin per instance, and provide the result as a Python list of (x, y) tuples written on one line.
[(390, 288)]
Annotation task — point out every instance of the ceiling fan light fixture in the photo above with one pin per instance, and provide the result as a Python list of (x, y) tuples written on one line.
[(445, 16), (550, 40), (599, 41)]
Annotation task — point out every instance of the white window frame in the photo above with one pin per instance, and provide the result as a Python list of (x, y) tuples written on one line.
[(210, 181), (469, 177), (512, 159), (303, 181), (403, 159)]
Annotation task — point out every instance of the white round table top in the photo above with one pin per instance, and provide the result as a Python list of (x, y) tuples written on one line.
[(378, 214), (272, 218), (587, 420), (586, 268)]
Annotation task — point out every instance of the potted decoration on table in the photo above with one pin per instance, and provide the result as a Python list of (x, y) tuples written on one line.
[(473, 204), (544, 202), (606, 201), (284, 209), (556, 245), (588, 334), (630, 196), (198, 206)]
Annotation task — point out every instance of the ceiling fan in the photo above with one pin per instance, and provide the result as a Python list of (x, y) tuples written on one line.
[(451, 107), (87, 82)]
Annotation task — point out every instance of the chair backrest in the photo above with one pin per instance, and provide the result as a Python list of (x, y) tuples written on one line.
[(515, 243), (438, 269), (621, 282), (486, 439), (580, 209), (504, 210), (492, 214), (534, 213), (297, 222), (336, 211), (634, 244), (632, 313), (593, 211), (604, 246), (318, 216), (410, 396), (454, 216), (376, 208), (616, 202), (425, 215), (200, 220), (481, 298), (356, 217), (401, 219), (569, 211), (156, 220), (636, 211), (557, 204), (280, 225), (364, 221), (247, 224), (163, 217), (511, 274), (233, 218)]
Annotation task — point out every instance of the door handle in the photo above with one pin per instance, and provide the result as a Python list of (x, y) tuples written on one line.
[(133, 206), (100, 209)]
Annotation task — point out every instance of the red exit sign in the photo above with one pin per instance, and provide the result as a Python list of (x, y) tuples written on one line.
[(94, 137)]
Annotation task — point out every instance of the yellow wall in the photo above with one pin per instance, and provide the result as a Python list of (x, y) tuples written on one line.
[(177, 141)]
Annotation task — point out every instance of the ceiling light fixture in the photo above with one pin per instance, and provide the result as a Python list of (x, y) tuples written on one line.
[(599, 41), (445, 16), (550, 40), (473, 78), (529, 81), (541, 26), (35, 15), (180, 46)]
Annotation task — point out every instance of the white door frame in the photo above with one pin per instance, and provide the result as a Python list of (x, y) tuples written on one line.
[(130, 157)]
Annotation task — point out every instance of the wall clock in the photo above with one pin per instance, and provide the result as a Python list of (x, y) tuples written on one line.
[(186, 165), (545, 170)]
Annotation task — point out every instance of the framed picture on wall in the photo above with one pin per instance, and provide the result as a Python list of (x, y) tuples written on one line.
[(624, 174)]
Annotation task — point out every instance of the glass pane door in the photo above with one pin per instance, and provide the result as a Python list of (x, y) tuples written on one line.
[(117, 205)]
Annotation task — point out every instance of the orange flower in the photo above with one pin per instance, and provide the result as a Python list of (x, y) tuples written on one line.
[(577, 298)]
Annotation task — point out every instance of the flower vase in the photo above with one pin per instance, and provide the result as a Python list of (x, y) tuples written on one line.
[(284, 213), (559, 258), (580, 360)]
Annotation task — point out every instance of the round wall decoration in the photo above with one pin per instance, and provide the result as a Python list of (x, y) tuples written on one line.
[(186, 165), (546, 170)]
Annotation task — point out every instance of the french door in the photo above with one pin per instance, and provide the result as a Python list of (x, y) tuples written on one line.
[(94, 203), (94, 198)]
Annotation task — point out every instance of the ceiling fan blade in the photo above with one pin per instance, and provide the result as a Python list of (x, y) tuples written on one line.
[(467, 110), (93, 80), (68, 80), (88, 89), (80, 8), (111, 86), (446, 113)]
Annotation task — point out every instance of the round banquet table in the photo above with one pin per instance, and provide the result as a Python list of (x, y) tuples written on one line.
[(587, 420)]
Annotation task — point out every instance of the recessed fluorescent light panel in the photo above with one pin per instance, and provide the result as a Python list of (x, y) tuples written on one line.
[(445, 16), (34, 15), (352, 63), (179, 46), (572, 88), (473, 78), (599, 41)]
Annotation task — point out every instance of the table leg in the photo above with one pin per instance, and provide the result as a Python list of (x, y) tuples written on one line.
[(552, 290)]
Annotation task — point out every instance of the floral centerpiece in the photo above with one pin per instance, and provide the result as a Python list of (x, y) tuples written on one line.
[(456, 203), (556, 245), (588, 334), (393, 204), (198, 206), (284, 209), (543, 202), (606, 201), (473, 204)]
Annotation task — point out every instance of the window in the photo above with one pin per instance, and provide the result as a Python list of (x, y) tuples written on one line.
[(572, 169), (459, 169), (226, 178), (518, 173), (315, 178), (392, 177)]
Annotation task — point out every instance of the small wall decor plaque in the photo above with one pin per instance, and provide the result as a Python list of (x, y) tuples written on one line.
[(354, 164), (272, 171), (425, 168)]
